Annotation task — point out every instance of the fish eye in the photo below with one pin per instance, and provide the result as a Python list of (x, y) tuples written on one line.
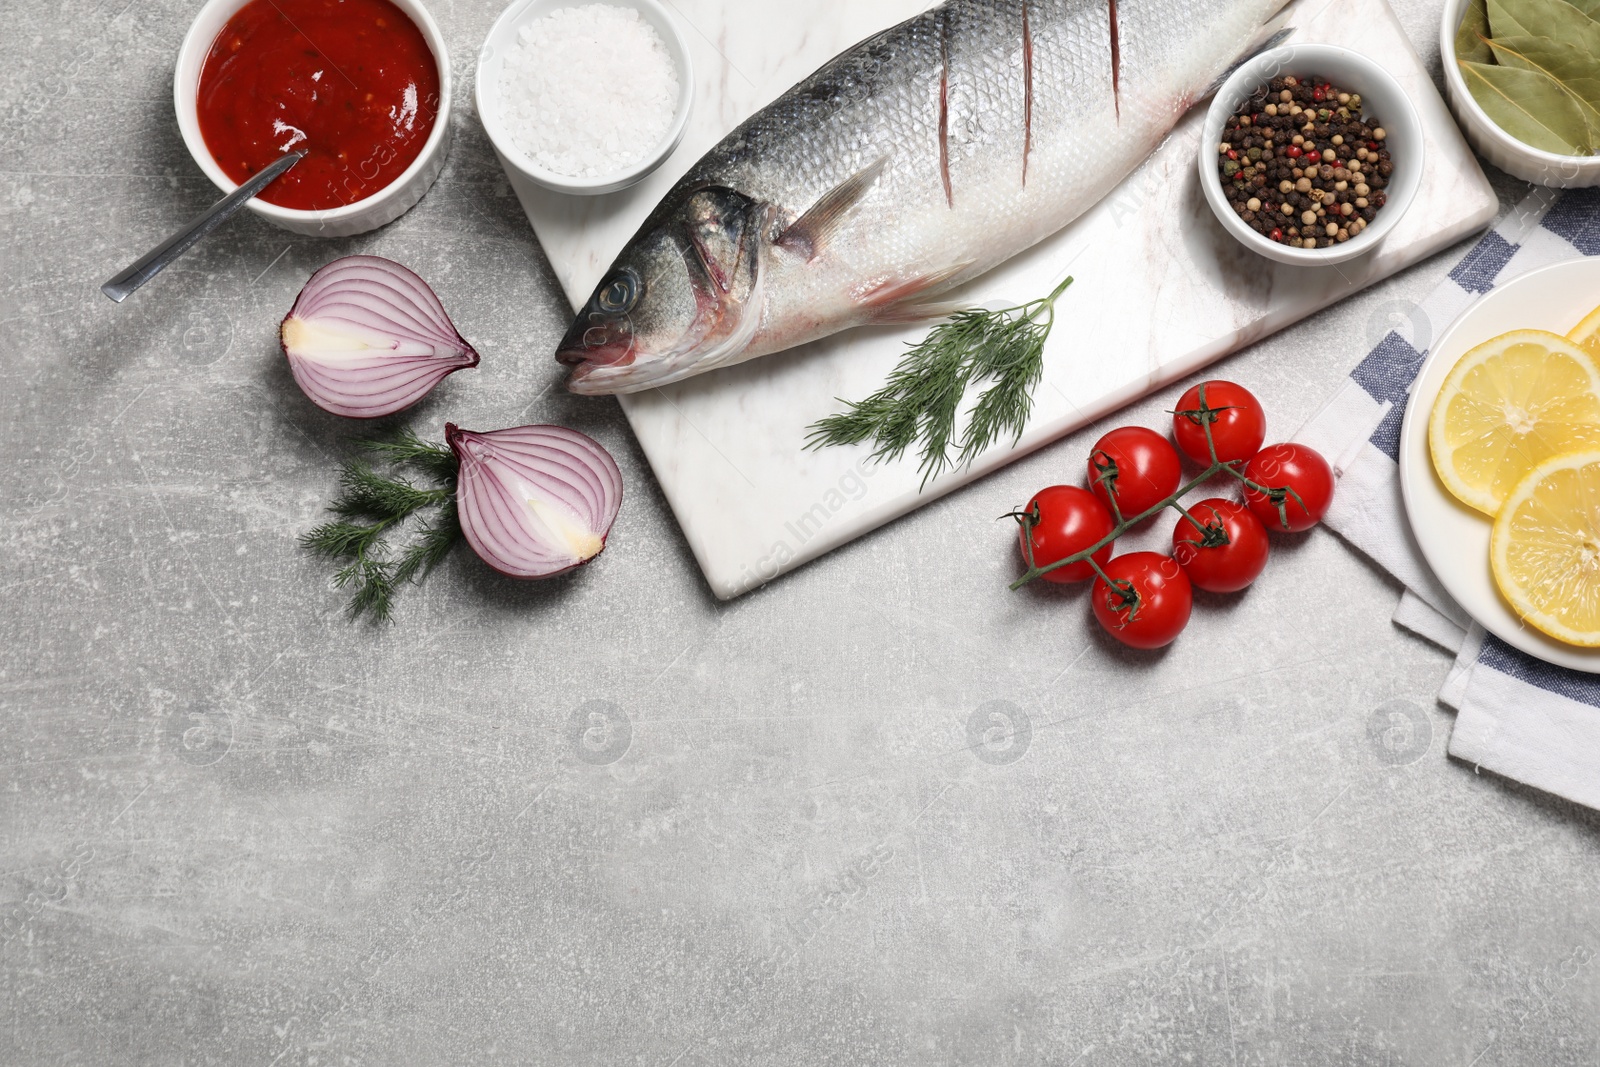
[(618, 295)]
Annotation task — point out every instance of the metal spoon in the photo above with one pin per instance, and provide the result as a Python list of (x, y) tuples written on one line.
[(157, 258)]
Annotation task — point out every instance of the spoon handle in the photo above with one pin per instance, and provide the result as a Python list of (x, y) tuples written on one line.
[(154, 261)]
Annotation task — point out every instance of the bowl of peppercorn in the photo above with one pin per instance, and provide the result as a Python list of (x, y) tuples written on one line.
[(1310, 154)]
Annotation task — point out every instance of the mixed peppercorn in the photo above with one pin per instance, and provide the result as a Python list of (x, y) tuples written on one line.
[(1301, 166)]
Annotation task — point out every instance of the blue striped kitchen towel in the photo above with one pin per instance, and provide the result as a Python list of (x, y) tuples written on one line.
[(1516, 715)]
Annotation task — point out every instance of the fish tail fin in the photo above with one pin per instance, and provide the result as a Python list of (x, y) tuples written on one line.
[(1276, 31)]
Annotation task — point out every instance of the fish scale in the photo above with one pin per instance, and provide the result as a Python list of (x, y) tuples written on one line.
[(947, 104)]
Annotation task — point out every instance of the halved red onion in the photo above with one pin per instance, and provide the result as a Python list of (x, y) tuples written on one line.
[(534, 500), (367, 338)]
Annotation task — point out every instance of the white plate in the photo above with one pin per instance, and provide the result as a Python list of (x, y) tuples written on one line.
[(1453, 537)]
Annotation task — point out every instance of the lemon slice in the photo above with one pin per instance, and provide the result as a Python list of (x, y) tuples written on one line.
[(1545, 548), (1508, 405), (1586, 335)]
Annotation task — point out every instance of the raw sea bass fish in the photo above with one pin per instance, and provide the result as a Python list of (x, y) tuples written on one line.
[(909, 164)]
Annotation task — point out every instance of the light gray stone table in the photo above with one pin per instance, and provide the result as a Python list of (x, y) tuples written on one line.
[(610, 820)]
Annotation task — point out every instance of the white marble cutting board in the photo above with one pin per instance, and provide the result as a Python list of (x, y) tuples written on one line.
[(1161, 291)]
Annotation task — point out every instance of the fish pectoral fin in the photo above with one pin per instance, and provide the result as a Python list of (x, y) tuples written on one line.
[(809, 234), (898, 301)]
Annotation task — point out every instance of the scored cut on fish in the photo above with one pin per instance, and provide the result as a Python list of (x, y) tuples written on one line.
[(905, 166)]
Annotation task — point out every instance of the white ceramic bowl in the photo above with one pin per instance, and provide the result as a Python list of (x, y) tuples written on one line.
[(503, 37), (383, 206), (1352, 72), (1491, 142)]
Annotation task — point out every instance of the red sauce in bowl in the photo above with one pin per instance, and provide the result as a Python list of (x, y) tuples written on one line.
[(351, 82)]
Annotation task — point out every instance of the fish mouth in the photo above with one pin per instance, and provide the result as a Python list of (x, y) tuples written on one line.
[(610, 354), (589, 378), (586, 360), (606, 344), (718, 339), (610, 367), (605, 361), (579, 380)]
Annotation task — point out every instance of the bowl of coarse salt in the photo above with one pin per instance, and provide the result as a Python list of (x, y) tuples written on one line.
[(584, 96)]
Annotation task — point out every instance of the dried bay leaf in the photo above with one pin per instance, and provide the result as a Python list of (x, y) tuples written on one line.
[(1529, 105), (1554, 48), (1505, 19), (1558, 19), (1566, 64), (1470, 35)]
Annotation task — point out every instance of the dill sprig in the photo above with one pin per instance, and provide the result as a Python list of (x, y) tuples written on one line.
[(404, 447), (922, 396), (374, 504)]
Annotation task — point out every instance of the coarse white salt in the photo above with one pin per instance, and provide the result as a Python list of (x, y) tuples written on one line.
[(589, 90)]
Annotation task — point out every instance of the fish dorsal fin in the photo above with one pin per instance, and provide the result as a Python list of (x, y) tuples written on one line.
[(809, 234), (1271, 35)]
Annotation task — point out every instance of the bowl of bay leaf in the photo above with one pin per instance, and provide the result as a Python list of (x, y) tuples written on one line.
[(1523, 78)]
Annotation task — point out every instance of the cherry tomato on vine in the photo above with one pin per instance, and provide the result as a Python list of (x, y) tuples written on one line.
[(1135, 465), (1284, 467), (1064, 520), (1229, 555), (1150, 602), (1238, 425)]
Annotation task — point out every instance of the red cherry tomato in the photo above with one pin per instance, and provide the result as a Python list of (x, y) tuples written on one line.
[(1281, 468), (1135, 465), (1064, 521), (1238, 425), (1150, 602), (1229, 555)]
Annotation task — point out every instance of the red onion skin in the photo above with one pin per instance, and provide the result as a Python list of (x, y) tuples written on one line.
[(456, 438), (329, 399)]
